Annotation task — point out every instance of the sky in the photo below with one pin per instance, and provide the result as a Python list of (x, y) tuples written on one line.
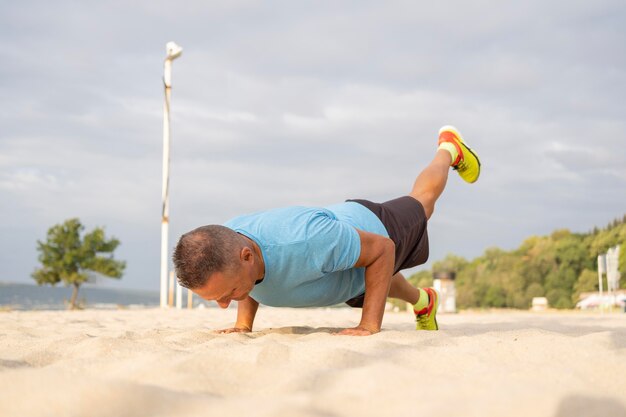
[(280, 103)]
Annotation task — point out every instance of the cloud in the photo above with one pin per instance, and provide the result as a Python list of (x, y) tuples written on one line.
[(306, 103), (28, 180)]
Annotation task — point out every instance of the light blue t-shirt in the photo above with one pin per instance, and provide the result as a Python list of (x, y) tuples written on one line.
[(309, 253)]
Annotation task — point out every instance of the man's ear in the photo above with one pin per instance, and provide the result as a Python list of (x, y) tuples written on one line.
[(246, 254)]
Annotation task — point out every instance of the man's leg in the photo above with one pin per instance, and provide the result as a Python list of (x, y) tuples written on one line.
[(403, 290), (431, 182), (452, 151), (424, 301), (429, 185)]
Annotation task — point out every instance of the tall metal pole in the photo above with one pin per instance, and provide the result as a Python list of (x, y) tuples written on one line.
[(601, 270), (173, 52)]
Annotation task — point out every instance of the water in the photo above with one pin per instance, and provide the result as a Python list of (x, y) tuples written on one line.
[(33, 297)]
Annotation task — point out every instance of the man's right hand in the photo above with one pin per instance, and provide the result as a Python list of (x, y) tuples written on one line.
[(246, 310), (234, 330)]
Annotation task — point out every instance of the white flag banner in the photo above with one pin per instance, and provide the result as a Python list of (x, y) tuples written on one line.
[(601, 264), (612, 273)]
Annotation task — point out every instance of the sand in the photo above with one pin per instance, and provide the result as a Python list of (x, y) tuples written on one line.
[(169, 363)]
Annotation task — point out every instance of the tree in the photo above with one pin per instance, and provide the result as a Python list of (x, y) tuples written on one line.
[(587, 282), (67, 257)]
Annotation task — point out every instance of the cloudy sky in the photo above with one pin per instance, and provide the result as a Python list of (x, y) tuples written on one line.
[(306, 103)]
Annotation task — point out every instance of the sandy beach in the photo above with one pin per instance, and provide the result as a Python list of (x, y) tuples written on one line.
[(170, 363)]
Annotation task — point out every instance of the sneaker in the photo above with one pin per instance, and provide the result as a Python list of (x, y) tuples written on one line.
[(467, 163), (426, 319)]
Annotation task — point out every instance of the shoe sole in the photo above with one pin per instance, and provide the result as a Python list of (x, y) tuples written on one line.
[(436, 309), (453, 129)]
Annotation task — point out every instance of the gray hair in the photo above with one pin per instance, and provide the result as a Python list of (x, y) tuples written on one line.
[(204, 251)]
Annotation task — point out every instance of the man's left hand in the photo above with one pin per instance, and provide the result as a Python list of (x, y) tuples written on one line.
[(355, 331)]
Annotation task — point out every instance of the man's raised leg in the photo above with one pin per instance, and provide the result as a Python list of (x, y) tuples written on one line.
[(428, 186), (452, 152), (431, 182)]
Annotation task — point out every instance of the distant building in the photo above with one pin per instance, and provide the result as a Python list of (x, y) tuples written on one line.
[(593, 300), (444, 284), (539, 304)]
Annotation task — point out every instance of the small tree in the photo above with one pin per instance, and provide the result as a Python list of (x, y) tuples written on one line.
[(68, 258)]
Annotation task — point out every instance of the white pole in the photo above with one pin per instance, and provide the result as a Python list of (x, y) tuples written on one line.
[(170, 290), (189, 299), (612, 273), (601, 270), (173, 51), (179, 296)]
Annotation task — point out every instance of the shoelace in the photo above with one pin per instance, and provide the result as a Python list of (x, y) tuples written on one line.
[(422, 319)]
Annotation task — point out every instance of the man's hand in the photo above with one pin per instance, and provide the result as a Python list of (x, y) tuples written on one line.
[(355, 331), (246, 310), (234, 330)]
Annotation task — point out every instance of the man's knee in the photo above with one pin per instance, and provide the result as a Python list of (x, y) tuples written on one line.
[(427, 200)]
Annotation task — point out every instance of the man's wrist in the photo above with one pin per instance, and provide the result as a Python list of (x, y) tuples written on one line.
[(372, 328)]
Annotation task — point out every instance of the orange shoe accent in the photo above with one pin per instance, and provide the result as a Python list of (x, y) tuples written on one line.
[(448, 136), (426, 318), (431, 302)]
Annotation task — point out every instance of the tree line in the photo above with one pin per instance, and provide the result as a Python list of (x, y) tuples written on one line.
[(559, 267)]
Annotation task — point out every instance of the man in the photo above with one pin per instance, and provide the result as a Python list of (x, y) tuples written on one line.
[(312, 256)]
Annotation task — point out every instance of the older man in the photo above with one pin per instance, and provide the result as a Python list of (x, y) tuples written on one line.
[(320, 256)]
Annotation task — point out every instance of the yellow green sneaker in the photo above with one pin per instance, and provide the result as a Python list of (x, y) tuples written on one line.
[(467, 163), (426, 319)]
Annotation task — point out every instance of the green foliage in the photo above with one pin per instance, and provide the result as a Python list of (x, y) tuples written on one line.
[(450, 263), (587, 281), (421, 279), (68, 258), (534, 290), (559, 267)]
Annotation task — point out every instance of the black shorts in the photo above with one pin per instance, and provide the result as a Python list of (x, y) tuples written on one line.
[(405, 221)]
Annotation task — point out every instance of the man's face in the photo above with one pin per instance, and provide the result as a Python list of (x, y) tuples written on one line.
[(223, 287)]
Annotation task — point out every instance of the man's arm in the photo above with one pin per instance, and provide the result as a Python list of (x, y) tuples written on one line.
[(246, 311), (378, 257)]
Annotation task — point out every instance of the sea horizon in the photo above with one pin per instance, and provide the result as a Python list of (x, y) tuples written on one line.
[(27, 296)]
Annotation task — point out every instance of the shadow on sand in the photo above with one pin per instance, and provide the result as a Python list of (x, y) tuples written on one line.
[(301, 330), (582, 406)]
